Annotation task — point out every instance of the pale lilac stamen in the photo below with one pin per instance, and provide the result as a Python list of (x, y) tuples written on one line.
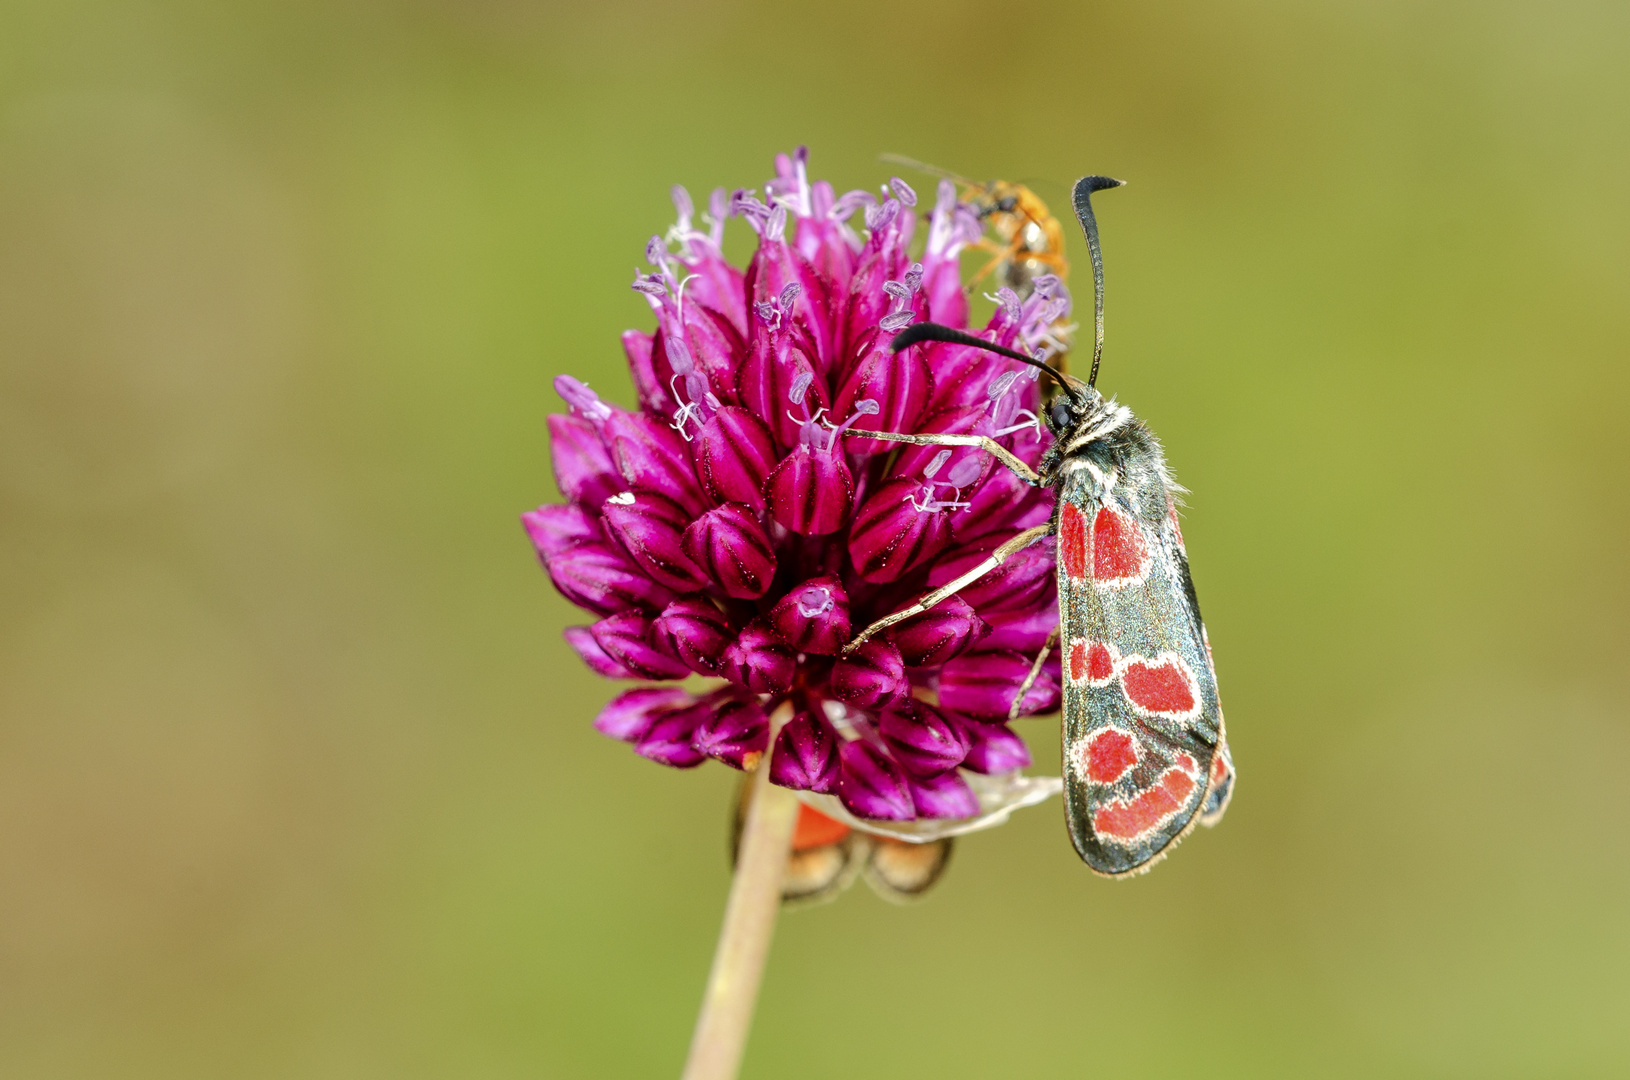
[(850, 201), (863, 407), (650, 284), (902, 191), (718, 208), (578, 395)]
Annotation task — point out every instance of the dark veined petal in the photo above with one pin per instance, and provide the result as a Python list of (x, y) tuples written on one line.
[(759, 661), (993, 748), (943, 631), (694, 630), (729, 545), (900, 383), (671, 739), (872, 676), (806, 755), (893, 534), (983, 684), (583, 468), (604, 580), (734, 454), (1025, 581), (581, 639), (626, 638), (553, 529), (736, 734), (944, 796), (651, 455), (650, 528), (814, 617), (630, 714), (811, 492), (871, 785), (921, 739)]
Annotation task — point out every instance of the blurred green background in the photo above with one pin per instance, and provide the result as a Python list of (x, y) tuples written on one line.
[(296, 773)]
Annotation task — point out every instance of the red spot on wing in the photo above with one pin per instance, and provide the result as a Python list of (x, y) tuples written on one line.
[(1148, 810), (1078, 661), (1072, 541), (1159, 686), (815, 829), (1100, 663), (1108, 754), (1119, 554), (1219, 768)]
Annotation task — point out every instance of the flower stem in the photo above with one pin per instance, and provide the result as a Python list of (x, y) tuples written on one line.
[(749, 923)]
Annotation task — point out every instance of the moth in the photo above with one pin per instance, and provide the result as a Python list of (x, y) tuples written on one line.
[(1145, 752)]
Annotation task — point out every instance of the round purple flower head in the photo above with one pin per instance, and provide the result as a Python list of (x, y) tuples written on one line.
[(735, 527)]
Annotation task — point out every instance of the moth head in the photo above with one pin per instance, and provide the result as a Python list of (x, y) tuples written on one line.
[(1072, 407)]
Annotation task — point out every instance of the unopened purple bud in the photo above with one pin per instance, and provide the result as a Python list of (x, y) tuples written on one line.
[(583, 468), (902, 191), (892, 534), (679, 357), (580, 397), (759, 661), (944, 796), (914, 277), (718, 203), (625, 637), (871, 677), (682, 204), (602, 579), (734, 453), (871, 785), (814, 617), (656, 252), (671, 739), (1024, 582), (993, 748), (898, 321), (921, 739), (806, 755), (737, 734), (651, 527), (651, 455), (1024, 631), (983, 684), (776, 228), (897, 289), (729, 545), (630, 714), (651, 285), (553, 529), (811, 492), (695, 631), (790, 294), (938, 634), (603, 664)]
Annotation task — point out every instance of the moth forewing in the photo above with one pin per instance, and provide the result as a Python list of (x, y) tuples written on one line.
[(1141, 722)]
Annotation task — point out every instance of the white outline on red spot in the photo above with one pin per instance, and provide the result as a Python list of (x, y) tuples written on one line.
[(1087, 643), (1083, 758), (1164, 819), (1145, 565), (1158, 662)]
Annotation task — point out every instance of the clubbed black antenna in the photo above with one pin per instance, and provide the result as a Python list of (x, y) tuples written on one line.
[(928, 331), (1084, 188)]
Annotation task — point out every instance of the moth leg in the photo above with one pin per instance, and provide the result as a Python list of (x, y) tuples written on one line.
[(982, 442), (1035, 673), (951, 588)]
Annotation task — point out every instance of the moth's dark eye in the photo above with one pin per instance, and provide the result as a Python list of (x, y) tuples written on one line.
[(1061, 415)]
